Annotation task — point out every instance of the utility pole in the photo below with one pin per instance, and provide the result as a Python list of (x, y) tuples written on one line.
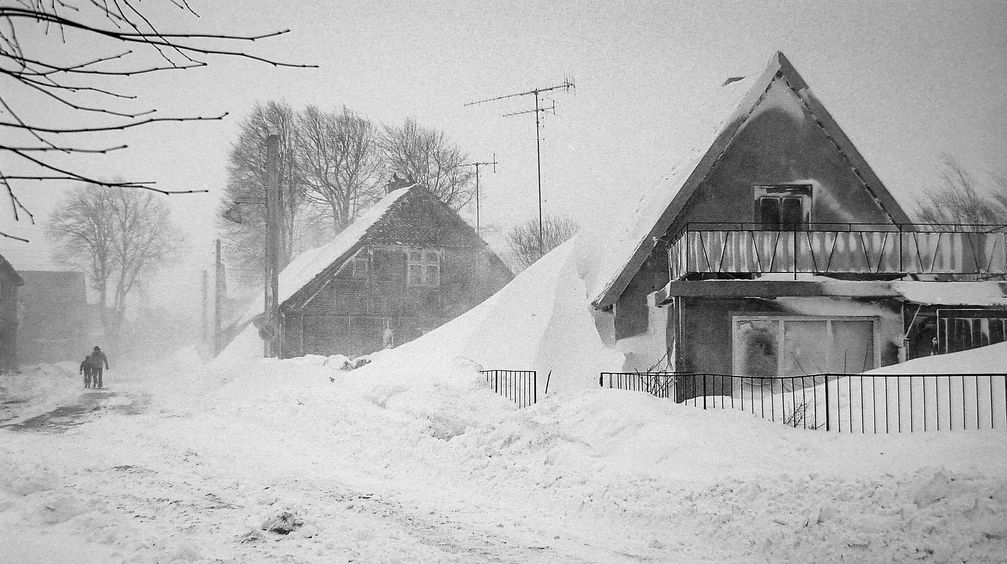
[(566, 86), (218, 298), (271, 320), (206, 313), (477, 165)]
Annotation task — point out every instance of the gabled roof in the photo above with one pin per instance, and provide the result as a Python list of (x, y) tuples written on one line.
[(314, 262), (658, 211), (4, 265), (319, 262)]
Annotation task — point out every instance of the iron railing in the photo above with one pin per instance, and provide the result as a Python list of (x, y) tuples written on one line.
[(519, 386), (838, 248), (854, 403)]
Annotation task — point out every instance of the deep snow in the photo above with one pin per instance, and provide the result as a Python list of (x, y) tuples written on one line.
[(419, 461), (413, 458)]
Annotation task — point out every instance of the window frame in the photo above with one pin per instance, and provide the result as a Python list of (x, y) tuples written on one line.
[(428, 259), (828, 319), (781, 194)]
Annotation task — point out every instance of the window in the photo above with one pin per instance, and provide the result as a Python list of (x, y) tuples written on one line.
[(798, 346), (783, 207), (358, 267), (423, 268)]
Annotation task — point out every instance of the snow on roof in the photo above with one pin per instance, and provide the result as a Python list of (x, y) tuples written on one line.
[(313, 262), (612, 245), (616, 261), (953, 293)]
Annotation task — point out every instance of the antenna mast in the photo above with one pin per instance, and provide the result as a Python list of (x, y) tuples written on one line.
[(477, 165), (566, 86)]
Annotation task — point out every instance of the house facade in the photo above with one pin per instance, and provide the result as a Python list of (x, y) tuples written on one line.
[(56, 319), (10, 280), (405, 267), (777, 251)]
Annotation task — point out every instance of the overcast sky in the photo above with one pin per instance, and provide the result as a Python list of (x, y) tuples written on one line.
[(907, 81)]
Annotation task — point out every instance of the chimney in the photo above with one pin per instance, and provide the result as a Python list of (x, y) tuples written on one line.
[(395, 183)]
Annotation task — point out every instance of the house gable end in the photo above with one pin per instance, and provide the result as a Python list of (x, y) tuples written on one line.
[(777, 79)]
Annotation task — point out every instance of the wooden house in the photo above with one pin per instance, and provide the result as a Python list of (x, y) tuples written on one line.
[(776, 251), (10, 280), (406, 266), (56, 322)]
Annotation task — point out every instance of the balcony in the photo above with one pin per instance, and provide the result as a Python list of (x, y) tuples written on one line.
[(876, 250)]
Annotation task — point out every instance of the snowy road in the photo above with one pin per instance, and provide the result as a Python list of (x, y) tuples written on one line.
[(88, 405), (371, 468)]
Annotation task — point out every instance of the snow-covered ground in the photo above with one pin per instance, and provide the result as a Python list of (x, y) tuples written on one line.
[(412, 458), (408, 459)]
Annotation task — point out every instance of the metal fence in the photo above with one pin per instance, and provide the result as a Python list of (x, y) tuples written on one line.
[(519, 386), (851, 403)]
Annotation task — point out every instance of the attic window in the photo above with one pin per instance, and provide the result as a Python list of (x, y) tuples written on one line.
[(358, 267), (423, 268), (783, 207)]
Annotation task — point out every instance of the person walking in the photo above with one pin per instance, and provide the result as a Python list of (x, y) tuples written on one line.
[(97, 359), (85, 369)]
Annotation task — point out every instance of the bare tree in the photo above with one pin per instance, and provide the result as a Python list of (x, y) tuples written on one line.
[(961, 200), (246, 184), (64, 88), (120, 237), (426, 156), (339, 159), (523, 238)]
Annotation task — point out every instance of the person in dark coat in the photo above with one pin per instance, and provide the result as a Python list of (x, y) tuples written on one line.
[(97, 359), (85, 369)]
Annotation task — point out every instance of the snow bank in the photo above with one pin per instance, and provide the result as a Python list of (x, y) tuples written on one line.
[(992, 358), (540, 321), (38, 388)]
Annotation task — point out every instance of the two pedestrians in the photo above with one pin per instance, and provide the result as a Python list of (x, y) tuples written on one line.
[(92, 368)]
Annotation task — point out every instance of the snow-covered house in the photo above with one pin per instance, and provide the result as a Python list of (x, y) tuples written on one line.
[(56, 319), (9, 282), (403, 268), (776, 250)]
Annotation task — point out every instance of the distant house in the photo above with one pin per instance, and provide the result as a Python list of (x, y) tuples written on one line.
[(406, 266), (56, 320), (10, 280), (777, 251)]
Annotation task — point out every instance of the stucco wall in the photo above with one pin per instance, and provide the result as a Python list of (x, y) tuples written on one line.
[(706, 341), (780, 142)]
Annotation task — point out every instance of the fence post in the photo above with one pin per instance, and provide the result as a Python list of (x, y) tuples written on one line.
[(704, 391), (827, 423)]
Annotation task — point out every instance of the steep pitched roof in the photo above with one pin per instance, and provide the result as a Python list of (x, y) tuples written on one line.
[(658, 211), (4, 265), (314, 262)]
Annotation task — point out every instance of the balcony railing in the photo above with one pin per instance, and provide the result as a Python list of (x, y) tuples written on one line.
[(839, 248)]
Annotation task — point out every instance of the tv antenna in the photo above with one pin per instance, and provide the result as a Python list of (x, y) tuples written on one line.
[(566, 86), (477, 165)]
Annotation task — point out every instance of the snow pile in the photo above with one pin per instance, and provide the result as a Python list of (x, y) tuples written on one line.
[(988, 359), (412, 457), (540, 321), (37, 388)]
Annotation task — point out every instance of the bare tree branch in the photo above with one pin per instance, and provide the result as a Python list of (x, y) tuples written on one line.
[(52, 77)]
